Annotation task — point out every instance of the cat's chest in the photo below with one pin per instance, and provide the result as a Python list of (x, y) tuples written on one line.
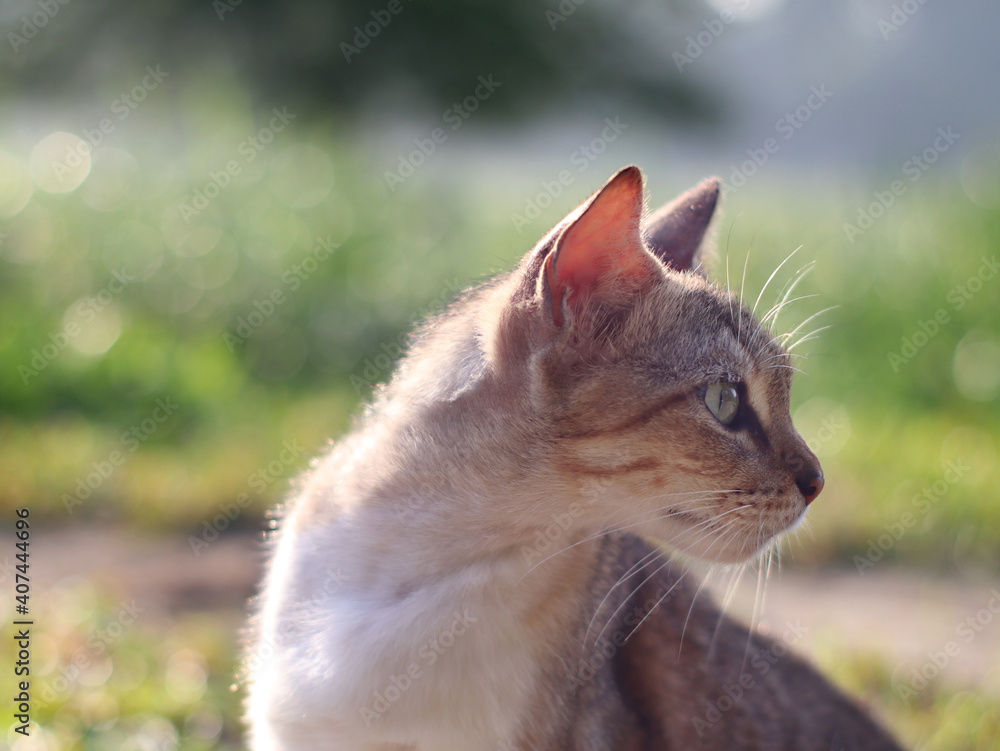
[(440, 664)]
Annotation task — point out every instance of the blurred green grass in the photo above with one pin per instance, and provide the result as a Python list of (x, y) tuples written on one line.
[(107, 677), (167, 684), (81, 429)]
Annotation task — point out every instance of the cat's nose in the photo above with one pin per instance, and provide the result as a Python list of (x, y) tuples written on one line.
[(810, 484)]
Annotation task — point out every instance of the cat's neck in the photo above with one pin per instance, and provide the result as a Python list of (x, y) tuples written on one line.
[(457, 595), (444, 510)]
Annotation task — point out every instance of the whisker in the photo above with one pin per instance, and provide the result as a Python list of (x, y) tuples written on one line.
[(690, 610), (651, 513), (634, 569), (801, 274), (776, 270), (757, 603), (735, 576), (674, 541), (797, 329), (771, 552), (775, 311), (666, 562), (729, 287), (695, 492), (639, 624), (746, 261), (782, 355), (810, 336), (730, 593)]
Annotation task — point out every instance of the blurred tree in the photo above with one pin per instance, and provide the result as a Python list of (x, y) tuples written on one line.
[(358, 57)]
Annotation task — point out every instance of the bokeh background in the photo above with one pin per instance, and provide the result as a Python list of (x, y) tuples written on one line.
[(218, 219)]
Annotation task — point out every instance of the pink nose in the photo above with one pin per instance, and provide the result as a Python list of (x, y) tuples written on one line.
[(810, 486)]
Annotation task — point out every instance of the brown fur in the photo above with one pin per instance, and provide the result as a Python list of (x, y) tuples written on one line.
[(655, 687)]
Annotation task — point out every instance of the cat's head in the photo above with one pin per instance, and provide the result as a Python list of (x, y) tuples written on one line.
[(665, 403)]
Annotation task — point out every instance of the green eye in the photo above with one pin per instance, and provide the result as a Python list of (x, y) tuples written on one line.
[(723, 401)]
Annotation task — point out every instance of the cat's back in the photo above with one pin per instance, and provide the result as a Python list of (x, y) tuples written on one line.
[(662, 667)]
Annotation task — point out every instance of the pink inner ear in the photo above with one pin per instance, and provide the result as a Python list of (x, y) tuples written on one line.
[(601, 254)]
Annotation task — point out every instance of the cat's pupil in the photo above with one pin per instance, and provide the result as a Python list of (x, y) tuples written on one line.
[(723, 401)]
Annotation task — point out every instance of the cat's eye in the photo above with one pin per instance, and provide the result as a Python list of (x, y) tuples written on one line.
[(723, 401)]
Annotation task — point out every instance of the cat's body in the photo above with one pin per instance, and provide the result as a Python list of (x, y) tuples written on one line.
[(447, 578)]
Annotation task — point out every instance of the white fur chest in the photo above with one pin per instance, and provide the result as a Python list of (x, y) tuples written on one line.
[(440, 667)]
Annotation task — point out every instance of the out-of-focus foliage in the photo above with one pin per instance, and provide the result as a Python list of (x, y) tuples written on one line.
[(108, 678), (197, 325), (356, 57)]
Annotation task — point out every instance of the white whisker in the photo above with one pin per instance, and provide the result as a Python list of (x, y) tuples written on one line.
[(650, 513), (797, 329), (753, 311), (690, 610), (746, 261), (639, 624), (634, 569), (800, 275), (809, 337), (775, 311)]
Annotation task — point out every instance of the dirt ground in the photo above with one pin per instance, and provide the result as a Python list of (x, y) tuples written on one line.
[(905, 616)]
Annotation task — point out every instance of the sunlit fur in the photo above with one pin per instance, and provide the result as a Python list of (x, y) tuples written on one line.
[(501, 475)]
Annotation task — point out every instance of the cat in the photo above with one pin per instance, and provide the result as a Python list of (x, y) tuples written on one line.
[(477, 566)]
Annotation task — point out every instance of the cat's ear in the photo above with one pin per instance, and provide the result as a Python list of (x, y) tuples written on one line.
[(599, 254), (676, 233)]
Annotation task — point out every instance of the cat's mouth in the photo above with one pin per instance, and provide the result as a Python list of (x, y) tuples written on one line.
[(733, 535)]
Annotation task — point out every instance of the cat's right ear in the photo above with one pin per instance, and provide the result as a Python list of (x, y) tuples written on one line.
[(676, 233)]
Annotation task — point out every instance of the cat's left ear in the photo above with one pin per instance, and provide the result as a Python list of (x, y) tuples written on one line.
[(599, 255), (676, 233)]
